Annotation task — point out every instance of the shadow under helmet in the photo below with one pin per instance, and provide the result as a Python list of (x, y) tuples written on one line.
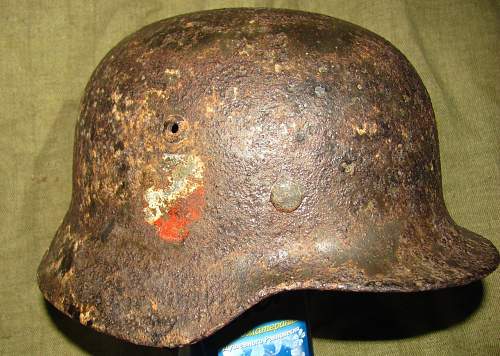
[(224, 156)]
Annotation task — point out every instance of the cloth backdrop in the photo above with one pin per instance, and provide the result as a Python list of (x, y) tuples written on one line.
[(48, 50)]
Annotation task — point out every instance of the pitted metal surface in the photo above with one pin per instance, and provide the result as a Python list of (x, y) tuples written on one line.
[(286, 195), (225, 156)]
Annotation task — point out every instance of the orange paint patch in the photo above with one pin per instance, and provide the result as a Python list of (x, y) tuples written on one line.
[(174, 227)]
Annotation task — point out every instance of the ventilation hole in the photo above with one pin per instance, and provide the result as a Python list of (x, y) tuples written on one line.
[(174, 128), (171, 127)]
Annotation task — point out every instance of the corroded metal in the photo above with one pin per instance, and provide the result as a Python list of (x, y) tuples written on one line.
[(286, 195), (174, 227)]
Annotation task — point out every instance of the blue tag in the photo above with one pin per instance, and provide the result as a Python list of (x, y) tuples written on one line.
[(279, 338)]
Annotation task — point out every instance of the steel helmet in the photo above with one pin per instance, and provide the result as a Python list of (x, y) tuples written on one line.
[(224, 156)]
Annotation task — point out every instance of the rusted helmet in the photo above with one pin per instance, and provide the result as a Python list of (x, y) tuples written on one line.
[(224, 156)]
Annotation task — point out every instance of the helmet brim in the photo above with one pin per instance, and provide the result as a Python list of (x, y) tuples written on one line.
[(141, 293)]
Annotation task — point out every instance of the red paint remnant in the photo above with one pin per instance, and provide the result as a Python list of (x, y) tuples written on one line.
[(173, 227)]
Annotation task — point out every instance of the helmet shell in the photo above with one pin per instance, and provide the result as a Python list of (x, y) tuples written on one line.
[(224, 156)]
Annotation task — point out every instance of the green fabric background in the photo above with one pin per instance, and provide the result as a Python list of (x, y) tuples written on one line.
[(48, 50)]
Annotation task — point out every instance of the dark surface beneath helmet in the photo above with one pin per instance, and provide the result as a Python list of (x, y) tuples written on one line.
[(331, 315)]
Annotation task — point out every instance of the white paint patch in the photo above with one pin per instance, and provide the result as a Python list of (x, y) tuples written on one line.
[(209, 109), (186, 176), (173, 72), (325, 246)]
